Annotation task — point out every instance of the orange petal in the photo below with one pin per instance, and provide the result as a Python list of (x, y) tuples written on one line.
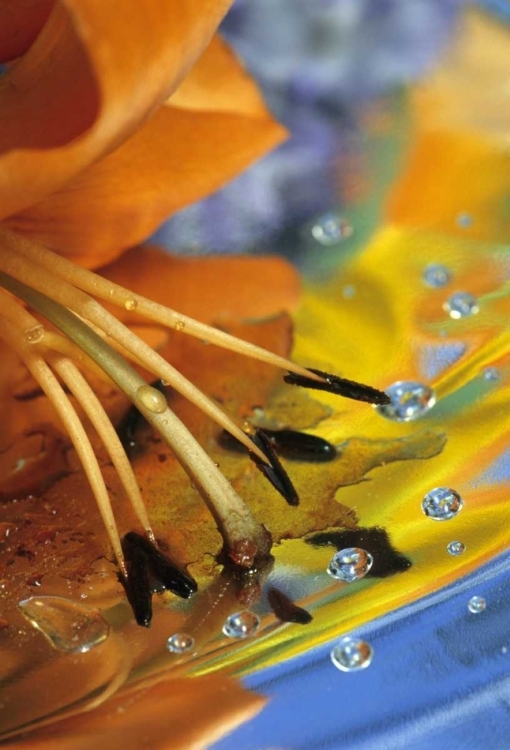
[(211, 288), (20, 23), (214, 126), (92, 76), (173, 714)]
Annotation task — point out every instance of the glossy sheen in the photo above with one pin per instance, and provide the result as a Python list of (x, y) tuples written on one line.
[(436, 276), (351, 655), (69, 626), (350, 564), (456, 548), (442, 504), (461, 305), (330, 229), (241, 625), (180, 643), (476, 604), (409, 400)]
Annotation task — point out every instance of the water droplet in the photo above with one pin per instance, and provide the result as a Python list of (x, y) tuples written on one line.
[(331, 229), (151, 399), (436, 275), (409, 400), (477, 604), (491, 374), (131, 304), (442, 503), (351, 655), (456, 548), (350, 564), (241, 624), (68, 626), (164, 383), (464, 220), (179, 325), (461, 305), (34, 335), (349, 291), (179, 643)]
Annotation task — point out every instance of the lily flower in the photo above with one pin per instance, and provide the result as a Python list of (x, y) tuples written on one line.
[(109, 122)]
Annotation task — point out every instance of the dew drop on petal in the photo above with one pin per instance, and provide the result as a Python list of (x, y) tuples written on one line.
[(477, 604), (456, 548), (241, 625), (180, 643), (442, 504), (461, 305), (350, 564), (330, 229), (464, 220), (436, 275), (151, 399), (34, 335), (130, 304), (351, 655), (491, 374), (408, 400), (67, 625)]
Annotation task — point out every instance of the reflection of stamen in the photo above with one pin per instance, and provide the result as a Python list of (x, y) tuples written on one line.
[(339, 386), (285, 609), (273, 471)]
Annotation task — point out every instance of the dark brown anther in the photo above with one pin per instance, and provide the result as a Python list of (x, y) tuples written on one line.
[(339, 386), (273, 471), (300, 446), (285, 609), (162, 568), (137, 585), (294, 445)]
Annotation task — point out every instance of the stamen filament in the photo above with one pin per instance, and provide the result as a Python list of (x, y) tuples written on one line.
[(94, 410), (87, 308), (234, 519), (14, 322), (109, 291)]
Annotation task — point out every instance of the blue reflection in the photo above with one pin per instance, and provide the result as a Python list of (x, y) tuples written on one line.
[(440, 677)]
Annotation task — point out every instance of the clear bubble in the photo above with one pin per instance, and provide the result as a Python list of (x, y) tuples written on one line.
[(350, 564), (131, 304), (491, 374), (461, 305), (408, 400), (351, 655), (330, 229), (436, 275), (152, 399), (442, 504), (476, 604), (34, 335), (180, 643), (456, 548), (67, 625), (241, 625), (348, 291), (464, 220)]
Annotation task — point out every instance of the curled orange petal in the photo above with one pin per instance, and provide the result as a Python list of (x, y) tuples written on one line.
[(173, 714), (93, 75), (213, 127), (20, 23)]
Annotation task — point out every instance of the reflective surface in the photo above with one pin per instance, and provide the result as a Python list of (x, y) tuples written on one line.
[(421, 215)]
